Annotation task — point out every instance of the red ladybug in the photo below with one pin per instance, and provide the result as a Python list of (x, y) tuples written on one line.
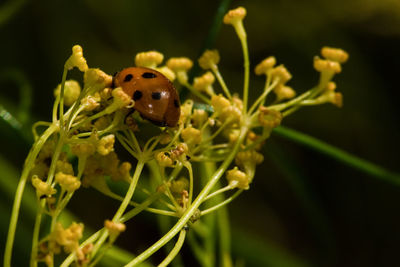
[(155, 96)]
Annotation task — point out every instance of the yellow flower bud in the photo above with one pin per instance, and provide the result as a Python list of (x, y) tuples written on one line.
[(265, 65), (237, 179), (90, 103), (72, 90), (199, 117), (68, 182), (42, 188), (186, 111), (204, 83), (191, 136), (179, 185), (219, 103), (67, 238), (235, 15), (167, 72), (114, 228), (323, 65), (284, 92), (281, 73), (150, 59), (177, 64), (106, 145), (120, 100), (76, 59), (209, 59), (331, 86), (65, 167), (334, 54), (97, 79)]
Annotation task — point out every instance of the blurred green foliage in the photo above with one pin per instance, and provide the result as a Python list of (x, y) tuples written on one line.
[(304, 208)]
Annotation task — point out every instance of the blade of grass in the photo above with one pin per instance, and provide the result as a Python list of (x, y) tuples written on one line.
[(338, 154)]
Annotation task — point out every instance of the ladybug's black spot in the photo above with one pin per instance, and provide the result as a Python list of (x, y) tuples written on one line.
[(137, 95), (156, 95), (176, 103), (148, 75), (128, 78)]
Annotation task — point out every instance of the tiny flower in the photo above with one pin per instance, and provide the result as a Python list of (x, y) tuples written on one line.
[(42, 188), (167, 72), (164, 159), (331, 86), (179, 185), (165, 138), (72, 90), (76, 59), (219, 103), (204, 83), (269, 118), (90, 103), (248, 160), (334, 54), (284, 92), (65, 167), (235, 15), (179, 153), (232, 114), (180, 65), (120, 100), (237, 179), (150, 59), (69, 237), (106, 144), (96, 79), (114, 228), (186, 110), (68, 182), (105, 94), (265, 65), (323, 65), (209, 59), (85, 148), (281, 73), (199, 117), (191, 136), (331, 97), (123, 172), (102, 123)]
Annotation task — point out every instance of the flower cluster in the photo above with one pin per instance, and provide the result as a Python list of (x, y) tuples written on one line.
[(215, 127)]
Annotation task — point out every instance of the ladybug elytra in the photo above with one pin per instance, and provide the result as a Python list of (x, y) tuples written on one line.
[(155, 96)]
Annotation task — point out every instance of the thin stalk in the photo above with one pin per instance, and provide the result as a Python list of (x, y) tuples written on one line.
[(195, 205), (226, 201), (175, 250), (64, 77), (221, 81), (19, 192)]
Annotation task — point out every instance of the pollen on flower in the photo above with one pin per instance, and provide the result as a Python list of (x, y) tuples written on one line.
[(199, 117), (64, 166), (120, 100), (150, 59), (83, 149), (209, 59), (69, 237), (68, 182), (106, 144), (264, 66), (334, 54), (72, 90), (76, 59), (179, 153), (237, 179), (42, 188)]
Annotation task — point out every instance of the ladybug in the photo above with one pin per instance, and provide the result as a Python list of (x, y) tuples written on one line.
[(156, 98)]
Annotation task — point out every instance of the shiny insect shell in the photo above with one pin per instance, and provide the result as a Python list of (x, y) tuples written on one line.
[(155, 96)]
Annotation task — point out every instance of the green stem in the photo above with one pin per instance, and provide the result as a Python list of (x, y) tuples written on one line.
[(175, 250), (64, 77), (338, 154), (19, 192), (123, 206), (195, 205), (223, 203), (243, 41)]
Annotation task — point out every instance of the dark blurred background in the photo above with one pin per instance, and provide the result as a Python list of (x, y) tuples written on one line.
[(303, 208)]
